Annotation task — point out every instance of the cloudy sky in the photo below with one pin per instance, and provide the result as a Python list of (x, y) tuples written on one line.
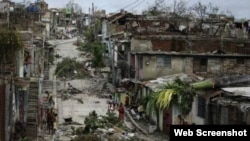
[(239, 8)]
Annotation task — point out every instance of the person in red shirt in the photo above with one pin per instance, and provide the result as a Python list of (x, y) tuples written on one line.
[(121, 112)]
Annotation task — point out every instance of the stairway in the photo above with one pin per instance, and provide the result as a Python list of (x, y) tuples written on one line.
[(47, 85), (46, 73), (32, 113)]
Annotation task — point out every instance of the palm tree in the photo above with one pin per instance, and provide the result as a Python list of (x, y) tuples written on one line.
[(178, 93)]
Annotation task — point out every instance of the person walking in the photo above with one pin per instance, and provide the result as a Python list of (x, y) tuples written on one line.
[(51, 101), (121, 112), (110, 104), (127, 101), (54, 122), (49, 121), (116, 99)]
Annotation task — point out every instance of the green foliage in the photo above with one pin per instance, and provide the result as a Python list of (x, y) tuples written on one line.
[(89, 35), (10, 41), (153, 11), (184, 96), (92, 123), (79, 130), (89, 39), (178, 93), (112, 118), (156, 9), (67, 67), (24, 139), (165, 97), (86, 47), (93, 46), (97, 51), (149, 102), (206, 84), (87, 137)]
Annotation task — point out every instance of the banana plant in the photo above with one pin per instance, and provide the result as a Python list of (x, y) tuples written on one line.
[(149, 103), (178, 93)]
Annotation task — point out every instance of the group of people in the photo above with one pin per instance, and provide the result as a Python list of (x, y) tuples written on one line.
[(115, 104), (49, 120), (49, 115)]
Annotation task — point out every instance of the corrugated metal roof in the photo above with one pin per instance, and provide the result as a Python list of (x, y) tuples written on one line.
[(238, 91), (159, 83)]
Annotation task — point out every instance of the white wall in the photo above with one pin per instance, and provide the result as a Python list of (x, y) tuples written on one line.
[(194, 112), (47, 30), (192, 117), (115, 55), (20, 62)]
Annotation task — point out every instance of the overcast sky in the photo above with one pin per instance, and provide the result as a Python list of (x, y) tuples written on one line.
[(239, 8)]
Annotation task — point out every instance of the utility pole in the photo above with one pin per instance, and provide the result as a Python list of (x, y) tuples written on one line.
[(8, 15), (112, 55), (93, 19), (113, 65)]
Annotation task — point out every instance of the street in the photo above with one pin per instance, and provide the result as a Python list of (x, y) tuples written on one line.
[(72, 107)]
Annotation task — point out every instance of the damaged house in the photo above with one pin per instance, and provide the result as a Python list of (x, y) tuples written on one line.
[(158, 48), (230, 106), (22, 69)]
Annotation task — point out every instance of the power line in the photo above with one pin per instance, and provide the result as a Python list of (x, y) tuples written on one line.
[(129, 5), (137, 5)]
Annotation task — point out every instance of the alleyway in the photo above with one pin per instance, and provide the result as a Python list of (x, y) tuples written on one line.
[(72, 107)]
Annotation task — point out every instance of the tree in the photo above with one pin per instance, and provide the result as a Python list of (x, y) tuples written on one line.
[(199, 10), (178, 93), (158, 8), (10, 41), (93, 45), (180, 7), (97, 51), (212, 9)]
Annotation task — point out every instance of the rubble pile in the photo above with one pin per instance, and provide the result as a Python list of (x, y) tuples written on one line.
[(102, 128)]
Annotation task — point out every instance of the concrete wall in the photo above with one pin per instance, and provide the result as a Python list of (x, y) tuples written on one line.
[(188, 65), (47, 30), (215, 66), (141, 45), (20, 67), (231, 66), (150, 70), (39, 62), (197, 44), (7, 112), (191, 117)]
